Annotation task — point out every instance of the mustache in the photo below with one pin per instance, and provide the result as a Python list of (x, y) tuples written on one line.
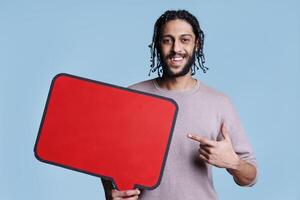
[(175, 54)]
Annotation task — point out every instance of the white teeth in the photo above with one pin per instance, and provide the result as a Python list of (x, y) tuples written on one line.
[(177, 58)]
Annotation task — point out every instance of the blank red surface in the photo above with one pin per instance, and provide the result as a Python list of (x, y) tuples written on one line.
[(107, 131)]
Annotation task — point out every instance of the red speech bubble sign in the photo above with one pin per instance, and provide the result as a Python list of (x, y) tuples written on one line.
[(107, 131)]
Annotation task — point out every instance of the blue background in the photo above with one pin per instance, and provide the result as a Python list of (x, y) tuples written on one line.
[(251, 47)]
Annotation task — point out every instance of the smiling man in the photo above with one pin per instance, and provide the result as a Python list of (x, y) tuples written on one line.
[(207, 132), (178, 48)]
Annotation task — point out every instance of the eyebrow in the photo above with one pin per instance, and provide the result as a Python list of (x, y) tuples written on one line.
[(183, 35)]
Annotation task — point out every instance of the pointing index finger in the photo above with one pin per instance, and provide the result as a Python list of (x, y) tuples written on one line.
[(201, 139)]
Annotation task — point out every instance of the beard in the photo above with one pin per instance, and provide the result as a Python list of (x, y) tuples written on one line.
[(186, 68)]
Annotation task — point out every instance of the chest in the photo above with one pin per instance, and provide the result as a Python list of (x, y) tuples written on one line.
[(198, 116)]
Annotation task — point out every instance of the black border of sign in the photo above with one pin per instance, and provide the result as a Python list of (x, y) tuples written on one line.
[(114, 86)]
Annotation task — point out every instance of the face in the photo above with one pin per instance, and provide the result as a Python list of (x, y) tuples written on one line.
[(177, 48)]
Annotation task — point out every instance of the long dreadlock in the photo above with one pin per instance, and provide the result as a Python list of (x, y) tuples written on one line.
[(169, 15)]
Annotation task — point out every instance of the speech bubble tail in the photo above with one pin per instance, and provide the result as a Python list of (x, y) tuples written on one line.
[(123, 185)]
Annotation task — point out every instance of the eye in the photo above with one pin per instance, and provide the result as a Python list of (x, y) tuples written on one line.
[(167, 41), (185, 40)]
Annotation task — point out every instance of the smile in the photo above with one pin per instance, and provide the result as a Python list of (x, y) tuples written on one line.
[(177, 59)]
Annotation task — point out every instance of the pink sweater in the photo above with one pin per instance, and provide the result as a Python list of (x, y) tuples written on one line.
[(201, 111)]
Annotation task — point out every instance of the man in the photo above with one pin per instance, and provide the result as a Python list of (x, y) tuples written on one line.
[(207, 131)]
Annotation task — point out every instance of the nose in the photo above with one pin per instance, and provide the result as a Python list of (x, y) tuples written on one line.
[(177, 46)]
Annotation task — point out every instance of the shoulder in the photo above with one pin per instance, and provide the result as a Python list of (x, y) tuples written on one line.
[(222, 103), (213, 95), (143, 85)]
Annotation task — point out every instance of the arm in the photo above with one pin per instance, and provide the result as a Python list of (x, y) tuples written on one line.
[(113, 194), (108, 187), (243, 173), (221, 154)]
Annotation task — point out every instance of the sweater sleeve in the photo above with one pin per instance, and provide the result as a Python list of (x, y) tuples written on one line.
[(107, 187), (237, 134)]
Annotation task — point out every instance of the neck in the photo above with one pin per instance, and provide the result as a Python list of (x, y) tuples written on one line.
[(177, 83)]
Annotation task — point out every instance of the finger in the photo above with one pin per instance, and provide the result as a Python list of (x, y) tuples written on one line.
[(203, 158), (201, 139), (124, 193), (206, 148), (204, 153), (207, 160), (225, 132), (132, 198)]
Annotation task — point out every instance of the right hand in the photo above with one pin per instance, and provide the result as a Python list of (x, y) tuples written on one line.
[(125, 194)]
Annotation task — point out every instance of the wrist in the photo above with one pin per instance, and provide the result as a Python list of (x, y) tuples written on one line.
[(235, 164)]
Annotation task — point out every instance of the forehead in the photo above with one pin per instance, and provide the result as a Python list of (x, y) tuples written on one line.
[(177, 27)]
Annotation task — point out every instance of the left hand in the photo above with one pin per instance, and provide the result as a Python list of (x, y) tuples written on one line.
[(218, 153)]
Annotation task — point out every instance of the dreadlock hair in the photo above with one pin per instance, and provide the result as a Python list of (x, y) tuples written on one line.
[(169, 15)]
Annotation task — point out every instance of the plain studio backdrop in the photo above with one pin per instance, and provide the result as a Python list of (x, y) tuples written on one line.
[(252, 49)]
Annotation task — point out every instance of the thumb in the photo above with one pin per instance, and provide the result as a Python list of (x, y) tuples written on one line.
[(225, 132)]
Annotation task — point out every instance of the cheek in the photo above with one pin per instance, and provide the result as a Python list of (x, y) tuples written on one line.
[(165, 49), (165, 52)]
